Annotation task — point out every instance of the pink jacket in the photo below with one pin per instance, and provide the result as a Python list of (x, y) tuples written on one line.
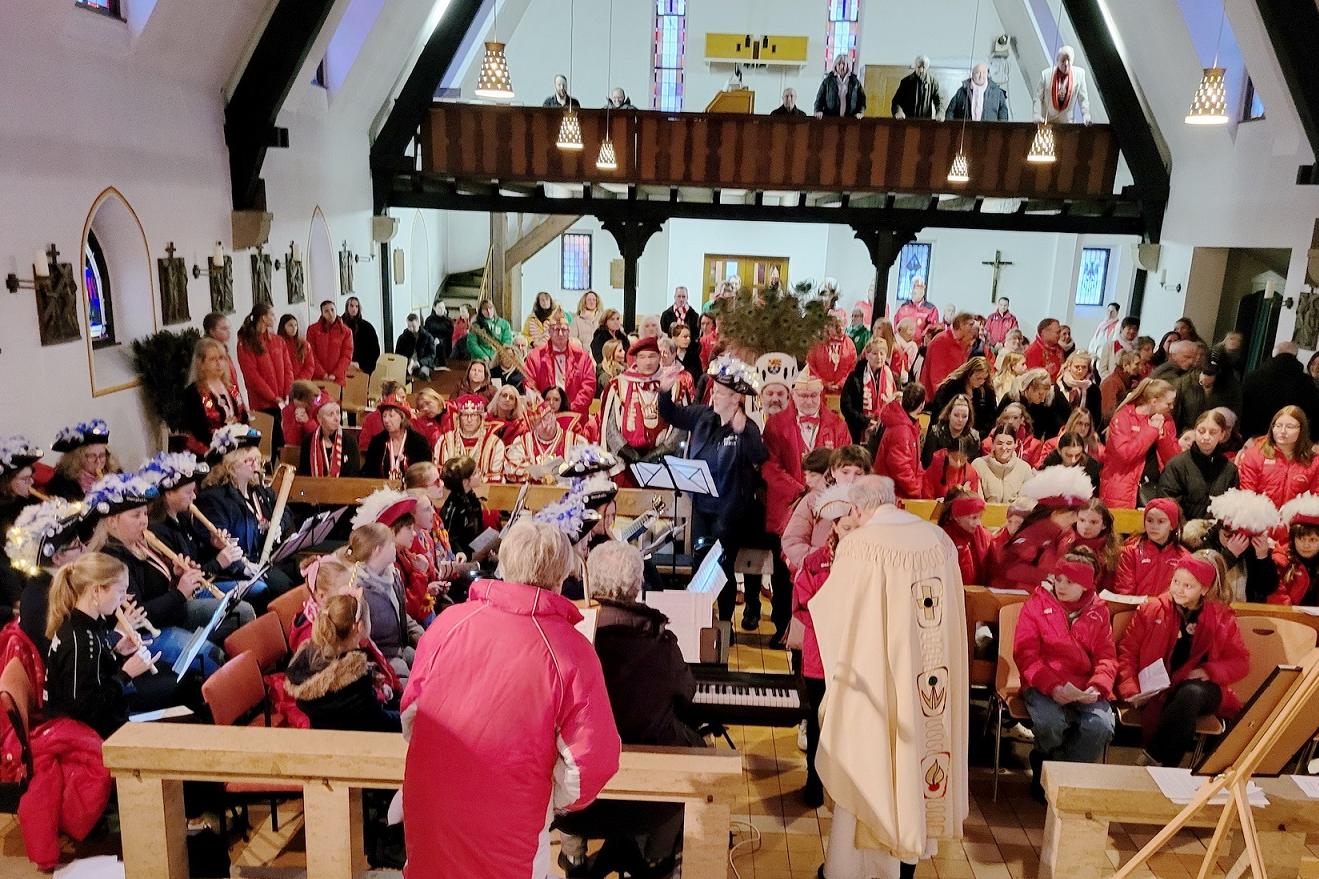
[(1130, 438), (510, 722), (812, 576), (579, 374), (804, 532)]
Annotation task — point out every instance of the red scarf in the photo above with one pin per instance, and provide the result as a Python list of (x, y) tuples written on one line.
[(1061, 92), (316, 448)]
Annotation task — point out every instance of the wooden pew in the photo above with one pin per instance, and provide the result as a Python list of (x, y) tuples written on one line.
[(150, 762), (1125, 521), (1085, 798), (328, 491)]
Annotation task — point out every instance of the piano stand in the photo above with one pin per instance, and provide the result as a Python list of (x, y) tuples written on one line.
[(717, 730)]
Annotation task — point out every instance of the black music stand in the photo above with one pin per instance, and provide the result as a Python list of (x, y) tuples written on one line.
[(226, 606)]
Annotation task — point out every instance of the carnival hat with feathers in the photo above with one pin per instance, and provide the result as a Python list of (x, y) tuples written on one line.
[(117, 493), (588, 468), (171, 470), (1059, 487), (1246, 511), (570, 515), (735, 375), (384, 505), (40, 531), (230, 438), (84, 433), (16, 453), (1301, 510), (834, 502)]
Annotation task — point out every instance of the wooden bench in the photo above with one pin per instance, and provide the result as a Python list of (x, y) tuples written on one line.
[(1125, 521), (150, 762), (329, 491), (1085, 798)]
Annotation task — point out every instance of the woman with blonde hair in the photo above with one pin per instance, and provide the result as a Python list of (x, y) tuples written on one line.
[(372, 549), (970, 380), (585, 319), (504, 414), (212, 400), (1011, 365), (1046, 408), (613, 361), (1142, 439), (869, 388), (85, 457), (1081, 422)]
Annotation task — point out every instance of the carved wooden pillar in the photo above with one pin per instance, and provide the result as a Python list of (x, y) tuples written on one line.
[(631, 236), (883, 244)]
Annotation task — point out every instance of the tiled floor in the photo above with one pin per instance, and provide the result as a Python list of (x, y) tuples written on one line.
[(1002, 840)]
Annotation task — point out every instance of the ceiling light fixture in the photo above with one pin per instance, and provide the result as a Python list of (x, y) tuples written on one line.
[(493, 81), (570, 129), (1209, 106), (606, 160)]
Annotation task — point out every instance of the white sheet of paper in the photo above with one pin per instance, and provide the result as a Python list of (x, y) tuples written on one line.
[(1180, 787), (1306, 609), (587, 626), (688, 613), (1153, 678), (709, 577), (1072, 692), (1309, 785), (1117, 598), (652, 475), (1009, 591), (161, 714)]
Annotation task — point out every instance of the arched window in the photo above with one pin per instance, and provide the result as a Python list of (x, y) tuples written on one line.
[(96, 281), (844, 26)]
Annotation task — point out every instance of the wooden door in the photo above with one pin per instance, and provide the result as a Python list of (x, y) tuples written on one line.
[(753, 270)]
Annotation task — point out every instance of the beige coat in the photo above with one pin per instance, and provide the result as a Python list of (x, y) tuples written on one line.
[(1001, 483), (891, 626)]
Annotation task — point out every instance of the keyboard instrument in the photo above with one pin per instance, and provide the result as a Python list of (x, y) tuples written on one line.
[(746, 698)]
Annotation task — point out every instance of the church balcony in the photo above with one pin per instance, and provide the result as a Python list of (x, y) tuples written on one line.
[(746, 167)]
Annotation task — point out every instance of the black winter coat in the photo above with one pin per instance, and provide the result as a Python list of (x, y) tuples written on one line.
[(339, 695), (1192, 479), (1279, 382), (984, 408)]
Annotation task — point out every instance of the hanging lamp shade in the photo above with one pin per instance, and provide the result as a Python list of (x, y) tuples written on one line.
[(1209, 106), (570, 131), (1041, 148), (493, 81), (607, 161), (960, 172)]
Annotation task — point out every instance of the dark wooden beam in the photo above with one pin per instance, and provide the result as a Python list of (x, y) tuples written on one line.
[(1126, 115), (249, 117), (1293, 28), (417, 94)]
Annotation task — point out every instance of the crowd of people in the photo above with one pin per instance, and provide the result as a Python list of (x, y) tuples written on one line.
[(113, 572)]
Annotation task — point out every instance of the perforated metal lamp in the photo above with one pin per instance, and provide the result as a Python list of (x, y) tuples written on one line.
[(607, 161), (1209, 106), (960, 172), (493, 81), (1041, 148), (570, 131)]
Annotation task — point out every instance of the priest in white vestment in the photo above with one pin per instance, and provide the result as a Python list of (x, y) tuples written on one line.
[(891, 625)]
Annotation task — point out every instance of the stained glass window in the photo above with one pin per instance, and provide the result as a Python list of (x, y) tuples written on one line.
[(844, 25), (105, 7), (670, 46), (96, 283), (913, 266), (576, 262), (1092, 279)]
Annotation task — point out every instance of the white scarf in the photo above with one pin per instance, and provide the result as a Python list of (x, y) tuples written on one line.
[(978, 100)]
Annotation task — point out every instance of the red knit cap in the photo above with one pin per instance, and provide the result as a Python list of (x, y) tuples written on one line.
[(1080, 573), (1168, 507), (1201, 570), (967, 506)]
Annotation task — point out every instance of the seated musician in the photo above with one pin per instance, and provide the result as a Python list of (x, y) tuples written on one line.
[(235, 499), (651, 689), (397, 447), (165, 589), (84, 458), (213, 399), (534, 456), (44, 538), (472, 437), (371, 547), (328, 450), (17, 455)]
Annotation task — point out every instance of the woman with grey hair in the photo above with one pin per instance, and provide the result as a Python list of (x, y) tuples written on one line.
[(533, 729), (650, 688)]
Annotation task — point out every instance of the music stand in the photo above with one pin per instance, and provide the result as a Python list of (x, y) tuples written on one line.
[(311, 532), (226, 606), (1289, 702)]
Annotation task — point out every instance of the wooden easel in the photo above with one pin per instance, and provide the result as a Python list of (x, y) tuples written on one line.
[(1291, 721)]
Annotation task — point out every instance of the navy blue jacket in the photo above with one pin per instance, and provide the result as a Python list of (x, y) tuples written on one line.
[(734, 458)]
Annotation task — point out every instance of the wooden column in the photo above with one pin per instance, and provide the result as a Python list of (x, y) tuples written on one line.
[(883, 243), (631, 236), (155, 830), (499, 291), (705, 838), (333, 826)]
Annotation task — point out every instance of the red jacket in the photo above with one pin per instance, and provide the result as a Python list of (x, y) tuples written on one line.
[(1130, 438), (332, 346), (899, 454), (832, 361), (1051, 651), (784, 482), (69, 789), (942, 356), (416, 568), (809, 580), (1028, 557), (296, 431), (1029, 449), (1042, 356), (1276, 477), (1146, 569), (997, 327), (305, 368), (923, 315), (939, 478), (1293, 579), (268, 375), (974, 552), (1216, 647), (579, 374)]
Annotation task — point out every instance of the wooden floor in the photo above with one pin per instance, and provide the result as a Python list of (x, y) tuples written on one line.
[(1002, 840)]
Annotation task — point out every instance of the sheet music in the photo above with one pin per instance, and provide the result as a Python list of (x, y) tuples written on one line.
[(1180, 787), (692, 475), (161, 714), (1153, 680), (650, 475), (1118, 598), (710, 578)]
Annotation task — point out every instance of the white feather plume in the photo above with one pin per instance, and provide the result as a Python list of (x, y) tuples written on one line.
[(1059, 481), (376, 503), (1302, 505), (1245, 511)]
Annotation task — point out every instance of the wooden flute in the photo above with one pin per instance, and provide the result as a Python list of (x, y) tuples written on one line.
[(159, 546), (124, 627)]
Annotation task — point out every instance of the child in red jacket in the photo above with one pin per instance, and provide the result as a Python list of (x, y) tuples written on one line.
[(1296, 571), (1094, 530), (1028, 558), (1190, 635), (1064, 650), (1147, 560), (814, 572), (961, 521), (950, 469)]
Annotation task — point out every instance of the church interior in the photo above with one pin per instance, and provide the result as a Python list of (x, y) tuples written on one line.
[(171, 165)]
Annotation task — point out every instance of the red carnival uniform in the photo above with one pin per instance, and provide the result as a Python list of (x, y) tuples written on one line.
[(1144, 568), (1042, 356), (788, 437), (832, 361)]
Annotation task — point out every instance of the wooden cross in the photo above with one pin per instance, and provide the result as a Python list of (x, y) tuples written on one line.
[(169, 251), (998, 263)]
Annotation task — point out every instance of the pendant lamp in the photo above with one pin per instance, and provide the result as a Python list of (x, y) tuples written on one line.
[(606, 160), (960, 172), (570, 131), (1041, 148), (1209, 106), (493, 81)]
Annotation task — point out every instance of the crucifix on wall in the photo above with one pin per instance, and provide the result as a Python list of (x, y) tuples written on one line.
[(998, 262)]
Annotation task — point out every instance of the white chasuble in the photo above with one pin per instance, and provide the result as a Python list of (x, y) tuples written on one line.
[(891, 624)]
